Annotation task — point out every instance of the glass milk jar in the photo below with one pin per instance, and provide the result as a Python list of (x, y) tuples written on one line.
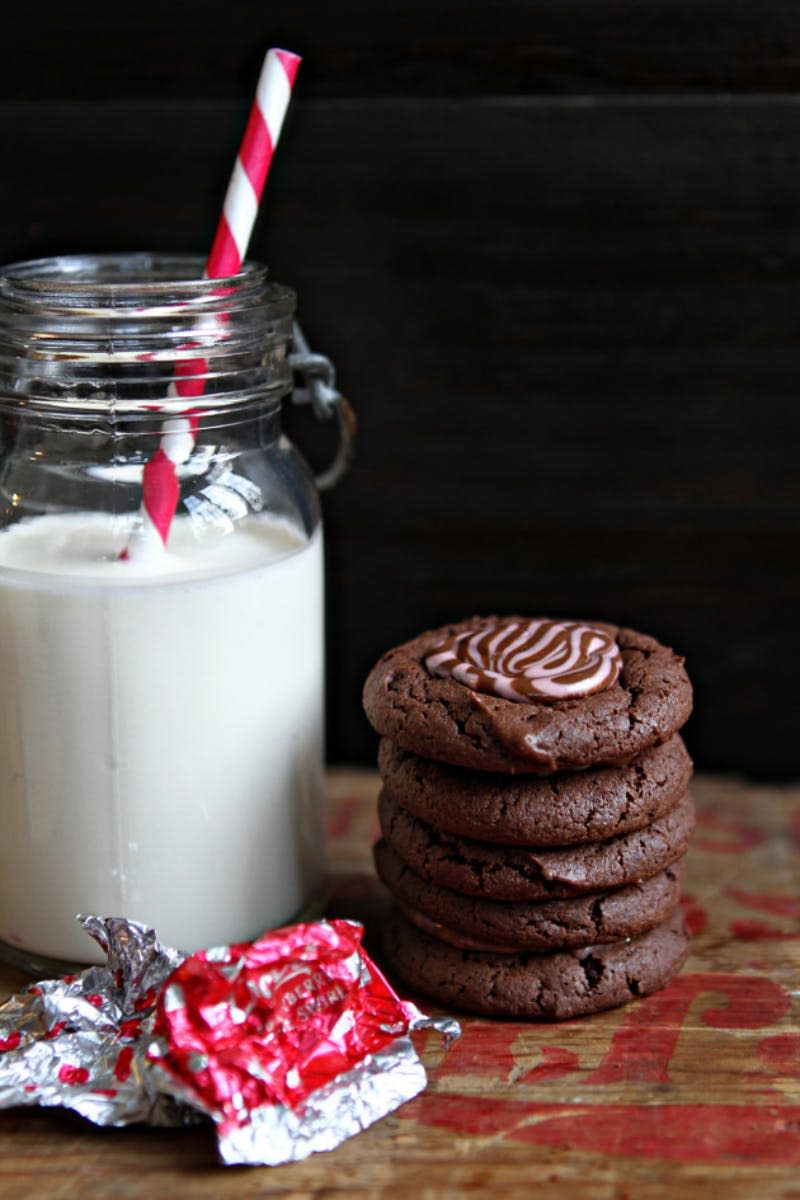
[(161, 655)]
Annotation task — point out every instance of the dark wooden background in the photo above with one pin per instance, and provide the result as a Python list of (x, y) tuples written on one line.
[(554, 249)]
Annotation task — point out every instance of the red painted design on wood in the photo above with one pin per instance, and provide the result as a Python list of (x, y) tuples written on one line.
[(558, 1061), (484, 1049), (694, 914), (748, 1133), (723, 836), (779, 906), (642, 1048), (684, 1132), (781, 1054), (760, 931)]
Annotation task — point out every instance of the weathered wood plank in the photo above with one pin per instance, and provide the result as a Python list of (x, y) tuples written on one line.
[(693, 1091), (403, 47)]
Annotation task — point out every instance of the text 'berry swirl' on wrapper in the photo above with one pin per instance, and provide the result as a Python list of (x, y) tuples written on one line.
[(290, 1044)]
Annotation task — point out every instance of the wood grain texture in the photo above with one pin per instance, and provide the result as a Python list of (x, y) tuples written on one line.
[(694, 1091), (403, 47)]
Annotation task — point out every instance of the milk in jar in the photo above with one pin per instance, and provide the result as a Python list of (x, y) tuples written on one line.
[(161, 717)]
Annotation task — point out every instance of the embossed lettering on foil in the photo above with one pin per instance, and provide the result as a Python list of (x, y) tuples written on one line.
[(527, 660)]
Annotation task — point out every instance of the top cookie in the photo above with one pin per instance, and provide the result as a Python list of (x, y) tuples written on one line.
[(449, 721)]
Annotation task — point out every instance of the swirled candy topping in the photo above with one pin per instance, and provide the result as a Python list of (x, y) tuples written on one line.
[(529, 660)]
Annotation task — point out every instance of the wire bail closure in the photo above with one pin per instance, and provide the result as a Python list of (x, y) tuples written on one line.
[(318, 376)]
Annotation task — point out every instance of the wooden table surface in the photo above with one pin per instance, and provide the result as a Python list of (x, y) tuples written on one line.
[(693, 1092)]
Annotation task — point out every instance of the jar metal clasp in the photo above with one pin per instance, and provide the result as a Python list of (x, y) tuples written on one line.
[(318, 389)]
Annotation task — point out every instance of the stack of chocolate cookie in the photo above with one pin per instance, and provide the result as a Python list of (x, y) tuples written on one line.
[(534, 814)]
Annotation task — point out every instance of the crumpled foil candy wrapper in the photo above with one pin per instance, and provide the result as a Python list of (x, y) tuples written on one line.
[(290, 1044), (80, 1041)]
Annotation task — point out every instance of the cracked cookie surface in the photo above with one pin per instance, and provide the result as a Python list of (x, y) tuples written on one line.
[(559, 810), (444, 720), (556, 986), (479, 868)]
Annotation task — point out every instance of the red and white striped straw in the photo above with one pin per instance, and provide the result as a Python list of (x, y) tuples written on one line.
[(264, 125), (160, 489)]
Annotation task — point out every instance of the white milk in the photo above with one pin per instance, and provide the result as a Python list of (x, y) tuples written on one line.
[(160, 732)]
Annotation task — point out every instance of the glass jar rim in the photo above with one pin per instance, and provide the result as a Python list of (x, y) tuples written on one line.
[(115, 330), (116, 277)]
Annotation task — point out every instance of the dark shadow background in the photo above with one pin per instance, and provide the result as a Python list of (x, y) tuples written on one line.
[(554, 249)]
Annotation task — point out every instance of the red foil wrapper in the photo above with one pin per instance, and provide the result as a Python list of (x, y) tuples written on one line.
[(290, 1044)]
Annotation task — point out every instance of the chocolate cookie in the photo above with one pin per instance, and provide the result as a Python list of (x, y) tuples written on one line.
[(568, 983), (478, 868), (472, 923), (561, 810), (449, 721)]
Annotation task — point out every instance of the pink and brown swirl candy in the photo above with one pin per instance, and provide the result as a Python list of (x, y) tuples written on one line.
[(526, 660)]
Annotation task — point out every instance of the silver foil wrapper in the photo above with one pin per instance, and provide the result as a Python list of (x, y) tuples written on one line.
[(79, 1042)]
